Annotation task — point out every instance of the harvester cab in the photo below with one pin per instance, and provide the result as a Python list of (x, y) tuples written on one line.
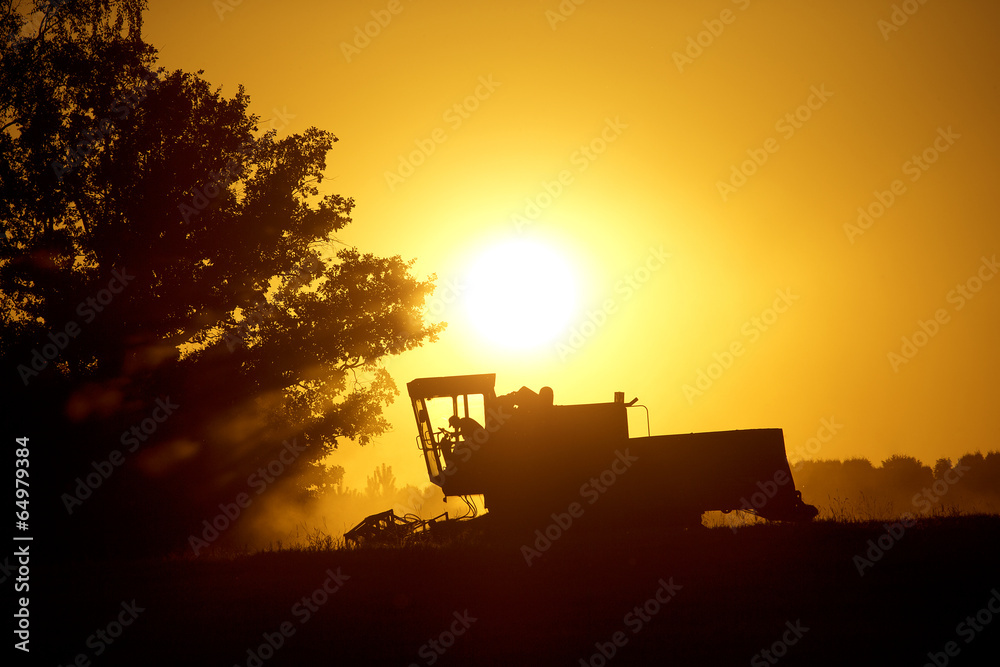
[(447, 411)]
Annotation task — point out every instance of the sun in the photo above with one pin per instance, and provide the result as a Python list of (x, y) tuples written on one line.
[(520, 294)]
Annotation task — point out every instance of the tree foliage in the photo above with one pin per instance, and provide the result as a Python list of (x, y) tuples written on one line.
[(158, 245)]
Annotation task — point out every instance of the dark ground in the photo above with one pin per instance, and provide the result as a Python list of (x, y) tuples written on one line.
[(737, 592)]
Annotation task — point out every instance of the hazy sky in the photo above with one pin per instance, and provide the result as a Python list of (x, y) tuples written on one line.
[(699, 171)]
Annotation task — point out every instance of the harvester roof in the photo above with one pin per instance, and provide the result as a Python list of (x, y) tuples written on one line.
[(454, 385)]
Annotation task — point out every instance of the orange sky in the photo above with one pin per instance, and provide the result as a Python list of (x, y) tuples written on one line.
[(833, 102)]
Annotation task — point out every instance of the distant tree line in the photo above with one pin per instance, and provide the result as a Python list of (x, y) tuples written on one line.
[(857, 489)]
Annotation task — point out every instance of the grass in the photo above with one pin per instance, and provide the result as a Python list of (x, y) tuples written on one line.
[(739, 589)]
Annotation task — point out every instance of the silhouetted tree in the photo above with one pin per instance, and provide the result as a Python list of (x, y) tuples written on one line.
[(941, 467), (860, 469), (158, 250), (972, 460), (905, 472)]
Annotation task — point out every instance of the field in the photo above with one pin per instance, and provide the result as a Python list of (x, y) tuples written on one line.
[(591, 597)]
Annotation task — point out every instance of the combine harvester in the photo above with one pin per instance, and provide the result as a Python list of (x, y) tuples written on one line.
[(530, 459)]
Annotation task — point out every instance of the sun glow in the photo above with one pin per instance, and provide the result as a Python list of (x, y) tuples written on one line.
[(521, 294)]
